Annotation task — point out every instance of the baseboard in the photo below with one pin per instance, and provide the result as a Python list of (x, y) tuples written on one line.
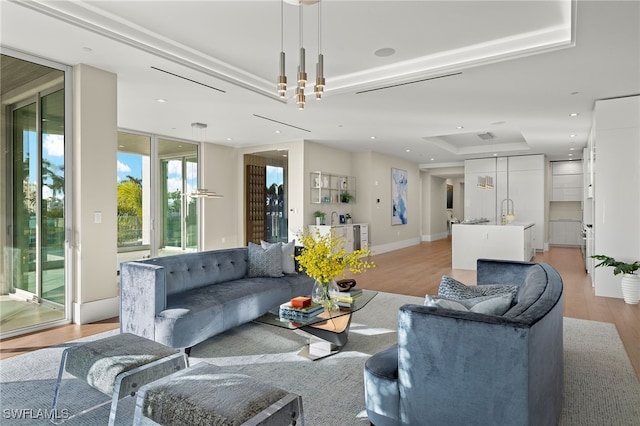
[(435, 237), (384, 248), (98, 310)]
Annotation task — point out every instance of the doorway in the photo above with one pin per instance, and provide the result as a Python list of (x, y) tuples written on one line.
[(34, 273), (266, 216)]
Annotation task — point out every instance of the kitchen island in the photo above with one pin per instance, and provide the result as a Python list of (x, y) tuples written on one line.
[(471, 241)]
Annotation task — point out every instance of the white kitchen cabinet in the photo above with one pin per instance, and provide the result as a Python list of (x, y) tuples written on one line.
[(565, 233), (519, 179), (347, 233), (566, 181)]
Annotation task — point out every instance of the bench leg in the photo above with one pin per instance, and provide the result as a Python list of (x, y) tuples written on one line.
[(128, 383)]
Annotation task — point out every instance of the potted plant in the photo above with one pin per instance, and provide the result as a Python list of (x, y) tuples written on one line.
[(630, 280), (346, 197), (320, 217)]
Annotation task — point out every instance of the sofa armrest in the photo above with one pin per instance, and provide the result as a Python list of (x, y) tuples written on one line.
[(446, 356), (142, 297)]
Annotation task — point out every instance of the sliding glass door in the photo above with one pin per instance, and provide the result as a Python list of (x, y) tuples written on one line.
[(38, 198), (178, 179), (33, 273)]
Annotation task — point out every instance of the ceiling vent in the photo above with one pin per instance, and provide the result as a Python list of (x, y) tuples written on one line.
[(486, 136)]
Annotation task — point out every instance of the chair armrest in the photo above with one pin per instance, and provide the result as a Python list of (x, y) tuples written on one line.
[(446, 355), (490, 271), (142, 297)]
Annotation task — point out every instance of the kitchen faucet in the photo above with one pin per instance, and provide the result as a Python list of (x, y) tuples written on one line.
[(332, 213)]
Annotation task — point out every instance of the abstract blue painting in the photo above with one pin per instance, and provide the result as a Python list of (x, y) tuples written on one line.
[(398, 197)]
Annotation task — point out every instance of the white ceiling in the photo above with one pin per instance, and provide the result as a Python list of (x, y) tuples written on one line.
[(516, 69)]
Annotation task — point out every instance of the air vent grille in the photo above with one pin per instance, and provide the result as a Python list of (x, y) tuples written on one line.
[(486, 136)]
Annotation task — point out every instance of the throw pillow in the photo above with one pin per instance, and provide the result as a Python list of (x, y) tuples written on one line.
[(453, 289), (265, 263), (288, 262), (490, 305)]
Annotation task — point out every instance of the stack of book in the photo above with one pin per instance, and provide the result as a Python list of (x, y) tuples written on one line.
[(299, 314), (346, 298)]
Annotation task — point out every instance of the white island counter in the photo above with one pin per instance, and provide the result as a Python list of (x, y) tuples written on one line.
[(469, 242)]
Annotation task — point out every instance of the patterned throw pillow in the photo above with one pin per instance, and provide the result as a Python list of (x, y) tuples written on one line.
[(455, 290), (490, 305), (288, 262), (265, 263)]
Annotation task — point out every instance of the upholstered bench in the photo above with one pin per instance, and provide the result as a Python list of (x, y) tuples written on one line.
[(118, 366), (204, 394)]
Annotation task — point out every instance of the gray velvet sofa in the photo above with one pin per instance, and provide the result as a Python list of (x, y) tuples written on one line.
[(452, 367), (184, 299)]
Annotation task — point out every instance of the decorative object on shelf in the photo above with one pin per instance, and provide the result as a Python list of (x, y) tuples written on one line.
[(345, 197), (347, 218), (320, 217), (630, 280), (324, 258), (302, 73), (399, 196)]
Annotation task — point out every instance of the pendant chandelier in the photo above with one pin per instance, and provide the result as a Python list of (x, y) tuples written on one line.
[(302, 73)]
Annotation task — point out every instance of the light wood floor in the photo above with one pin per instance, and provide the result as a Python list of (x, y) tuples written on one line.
[(416, 271)]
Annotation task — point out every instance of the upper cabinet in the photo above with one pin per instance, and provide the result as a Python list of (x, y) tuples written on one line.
[(329, 188), (566, 181)]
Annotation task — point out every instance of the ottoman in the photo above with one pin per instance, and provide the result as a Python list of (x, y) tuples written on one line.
[(118, 366), (206, 395)]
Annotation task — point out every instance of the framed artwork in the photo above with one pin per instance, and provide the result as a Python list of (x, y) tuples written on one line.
[(398, 197), (449, 196)]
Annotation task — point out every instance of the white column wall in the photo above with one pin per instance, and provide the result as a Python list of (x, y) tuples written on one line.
[(94, 175), (617, 187)]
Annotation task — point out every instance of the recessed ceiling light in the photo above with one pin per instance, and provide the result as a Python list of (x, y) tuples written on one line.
[(407, 150), (432, 159), (459, 127), (384, 52), (277, 131), (229, 139), (495, 154), (161, 100), (373, 137), (570, 155), (572, 136), (571, 149), (574, 114)]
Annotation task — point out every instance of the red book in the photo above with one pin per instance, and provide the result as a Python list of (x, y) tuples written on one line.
[(300, 302)]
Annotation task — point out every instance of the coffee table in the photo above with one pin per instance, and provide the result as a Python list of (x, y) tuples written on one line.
[(328, 332)]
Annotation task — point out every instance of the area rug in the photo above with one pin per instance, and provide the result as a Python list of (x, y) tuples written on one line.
[(601, 387)]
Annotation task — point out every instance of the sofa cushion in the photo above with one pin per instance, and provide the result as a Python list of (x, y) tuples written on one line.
[(490, 305), (288, 262), (453, 289), (265, 262)]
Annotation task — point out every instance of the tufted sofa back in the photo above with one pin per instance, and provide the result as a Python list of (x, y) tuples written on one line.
[(192, 270)]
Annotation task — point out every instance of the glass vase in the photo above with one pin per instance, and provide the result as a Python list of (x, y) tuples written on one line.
[(325, 293)]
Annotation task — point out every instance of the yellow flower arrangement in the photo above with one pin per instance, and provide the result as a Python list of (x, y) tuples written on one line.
[(324, 257)]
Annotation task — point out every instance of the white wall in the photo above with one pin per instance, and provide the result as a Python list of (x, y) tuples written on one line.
[(617, 187), (94, 175), (220, 220)]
